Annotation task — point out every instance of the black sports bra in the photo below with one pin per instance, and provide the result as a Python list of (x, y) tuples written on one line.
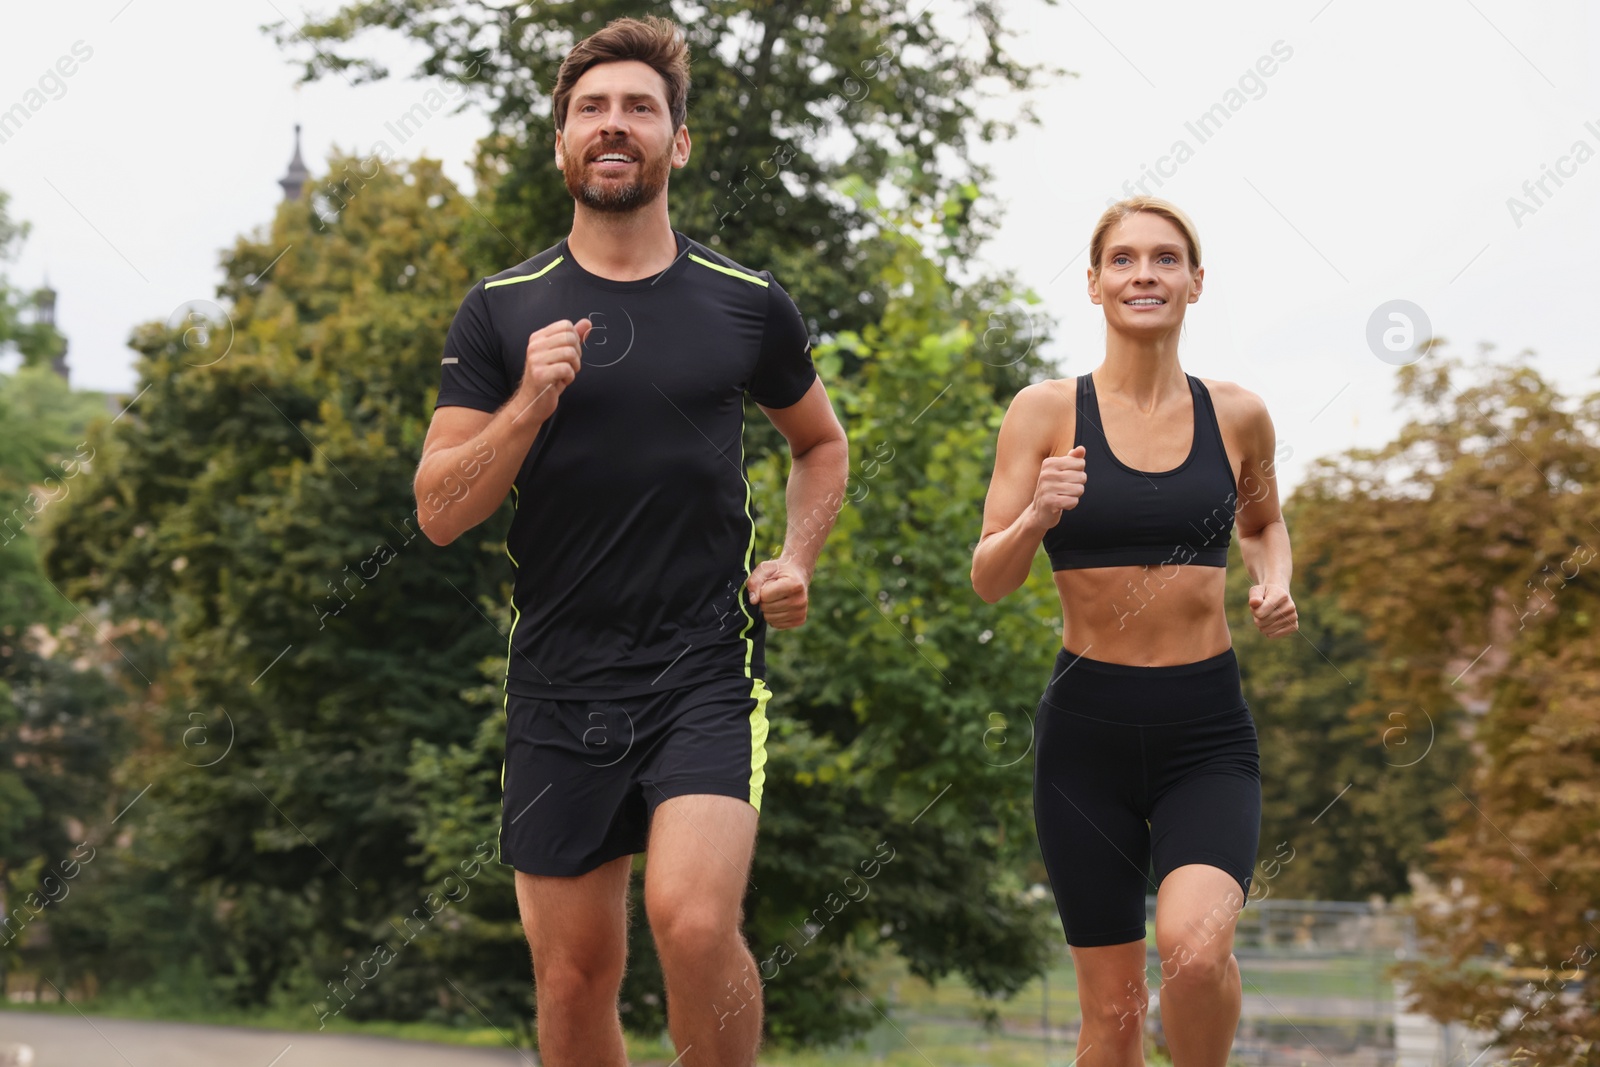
[(1128, 518)]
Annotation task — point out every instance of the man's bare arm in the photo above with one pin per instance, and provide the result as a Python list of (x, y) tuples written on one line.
[(821, 465), (470, 458), (814, 496)]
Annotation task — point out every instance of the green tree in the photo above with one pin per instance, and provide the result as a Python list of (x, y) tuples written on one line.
[(61, 737), (250, 519), (59, 731), (43, 448), (1479, 518), (38, 342)]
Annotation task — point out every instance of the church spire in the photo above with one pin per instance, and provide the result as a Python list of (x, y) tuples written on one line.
[(295, 180), (44, 310)]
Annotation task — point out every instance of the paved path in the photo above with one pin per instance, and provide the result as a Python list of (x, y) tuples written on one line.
[(75, 1041)]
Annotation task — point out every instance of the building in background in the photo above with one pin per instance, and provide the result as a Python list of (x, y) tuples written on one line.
[(295, 180), (44, 303)]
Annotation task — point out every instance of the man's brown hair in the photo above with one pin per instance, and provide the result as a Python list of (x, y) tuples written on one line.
[(655, 41)]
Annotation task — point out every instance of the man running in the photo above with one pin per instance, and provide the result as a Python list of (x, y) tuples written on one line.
[(602, 383)]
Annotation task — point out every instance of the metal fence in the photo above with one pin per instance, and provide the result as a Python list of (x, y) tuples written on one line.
[(1316, 988), (1317, 991)]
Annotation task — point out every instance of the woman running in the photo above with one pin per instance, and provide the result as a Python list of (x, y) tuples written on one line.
[(1146, 775)]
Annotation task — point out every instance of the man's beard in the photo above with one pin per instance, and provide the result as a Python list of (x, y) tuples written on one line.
[(614, 197)]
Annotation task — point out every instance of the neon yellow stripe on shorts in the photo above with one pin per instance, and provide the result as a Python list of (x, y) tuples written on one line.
[(758, 741)]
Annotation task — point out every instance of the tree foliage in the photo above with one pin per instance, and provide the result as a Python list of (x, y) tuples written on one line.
[(37, 342), (1355, 785), (1468, 547), (60, 735), (253, 523)]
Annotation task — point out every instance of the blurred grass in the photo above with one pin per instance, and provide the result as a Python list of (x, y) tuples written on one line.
[(945, 1022)]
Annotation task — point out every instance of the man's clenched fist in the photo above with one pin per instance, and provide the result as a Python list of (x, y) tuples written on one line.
[(554, 355), (781, 590)]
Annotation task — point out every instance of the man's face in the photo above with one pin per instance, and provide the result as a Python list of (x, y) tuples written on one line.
[(619, 145)]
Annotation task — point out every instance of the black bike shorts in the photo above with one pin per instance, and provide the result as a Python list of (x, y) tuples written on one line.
[(583, 777), (1139, 771)]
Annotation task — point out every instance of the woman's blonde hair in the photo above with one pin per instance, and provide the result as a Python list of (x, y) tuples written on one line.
[(1132, 206)]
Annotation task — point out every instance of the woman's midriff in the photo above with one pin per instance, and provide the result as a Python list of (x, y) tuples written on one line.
[(1156, 616)]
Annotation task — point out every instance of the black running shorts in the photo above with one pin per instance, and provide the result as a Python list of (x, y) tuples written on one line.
[(1139, 771), (582, 777)]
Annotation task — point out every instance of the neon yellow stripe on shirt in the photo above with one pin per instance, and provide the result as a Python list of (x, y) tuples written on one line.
[(541, 272), (728, 270)]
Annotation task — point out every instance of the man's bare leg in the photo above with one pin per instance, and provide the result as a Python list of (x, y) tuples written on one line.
[(694, 885), (578, 934)]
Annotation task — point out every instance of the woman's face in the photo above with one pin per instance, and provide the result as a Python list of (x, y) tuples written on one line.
[(1146, 278)]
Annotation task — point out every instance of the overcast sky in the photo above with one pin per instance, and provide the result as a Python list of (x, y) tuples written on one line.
[(1358, 153)]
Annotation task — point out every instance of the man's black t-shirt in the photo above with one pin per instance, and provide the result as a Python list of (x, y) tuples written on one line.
[(632, 537)]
